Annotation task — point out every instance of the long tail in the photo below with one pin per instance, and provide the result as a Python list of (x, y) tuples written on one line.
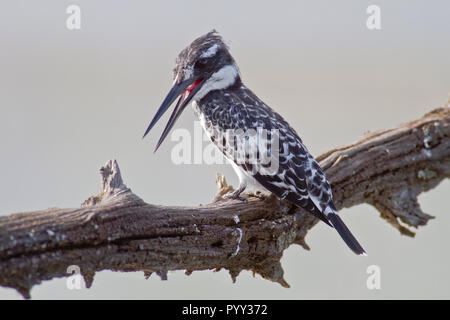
[(345, 234)]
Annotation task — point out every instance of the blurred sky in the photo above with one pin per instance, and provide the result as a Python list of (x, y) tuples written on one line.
[(71, 100)]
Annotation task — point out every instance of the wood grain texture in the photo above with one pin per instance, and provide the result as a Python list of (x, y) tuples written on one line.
[(116, 230)]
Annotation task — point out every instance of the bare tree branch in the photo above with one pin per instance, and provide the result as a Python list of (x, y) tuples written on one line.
[(116, 230)]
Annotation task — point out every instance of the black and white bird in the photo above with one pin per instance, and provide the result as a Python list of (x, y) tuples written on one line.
[(207, 76)]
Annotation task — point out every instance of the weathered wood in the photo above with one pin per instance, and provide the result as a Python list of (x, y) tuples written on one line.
[(117, 230)]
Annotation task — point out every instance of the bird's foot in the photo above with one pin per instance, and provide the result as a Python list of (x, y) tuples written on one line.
[(235, 195), (232, 196)]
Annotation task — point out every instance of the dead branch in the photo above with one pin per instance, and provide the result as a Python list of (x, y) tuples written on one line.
[(116, 230)]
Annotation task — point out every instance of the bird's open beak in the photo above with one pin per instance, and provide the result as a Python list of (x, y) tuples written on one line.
[(185, 90)]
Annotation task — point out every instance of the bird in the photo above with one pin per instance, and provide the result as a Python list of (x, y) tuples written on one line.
[(207, 77)]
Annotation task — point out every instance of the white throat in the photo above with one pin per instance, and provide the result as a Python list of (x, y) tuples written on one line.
[(221, 79)]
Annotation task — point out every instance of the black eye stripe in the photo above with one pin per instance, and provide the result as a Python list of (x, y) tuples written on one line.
[(201, 63)]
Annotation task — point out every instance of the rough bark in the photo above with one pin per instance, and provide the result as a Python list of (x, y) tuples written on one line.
[(116, 230)]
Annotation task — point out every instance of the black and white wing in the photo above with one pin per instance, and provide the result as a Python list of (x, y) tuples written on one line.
[(292, 182), (291, 172), (298, 177)]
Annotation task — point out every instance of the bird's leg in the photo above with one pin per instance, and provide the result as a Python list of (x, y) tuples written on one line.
[(235, 195)]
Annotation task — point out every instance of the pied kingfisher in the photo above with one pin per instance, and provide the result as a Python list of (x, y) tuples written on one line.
[(207, 75)]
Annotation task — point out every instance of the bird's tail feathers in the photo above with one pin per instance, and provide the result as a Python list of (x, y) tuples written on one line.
[(345, 233)]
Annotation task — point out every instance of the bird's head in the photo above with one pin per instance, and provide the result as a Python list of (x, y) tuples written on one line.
[(206, 61), (203, 66)]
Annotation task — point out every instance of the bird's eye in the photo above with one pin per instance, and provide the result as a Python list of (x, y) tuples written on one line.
[(201, 63)]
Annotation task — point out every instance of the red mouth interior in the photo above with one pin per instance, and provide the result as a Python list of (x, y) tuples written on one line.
[(191, 86)]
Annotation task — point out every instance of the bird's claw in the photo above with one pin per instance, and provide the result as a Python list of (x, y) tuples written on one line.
[(235, 196)]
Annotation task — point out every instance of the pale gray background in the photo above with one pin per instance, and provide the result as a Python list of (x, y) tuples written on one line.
[(71, 100)]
